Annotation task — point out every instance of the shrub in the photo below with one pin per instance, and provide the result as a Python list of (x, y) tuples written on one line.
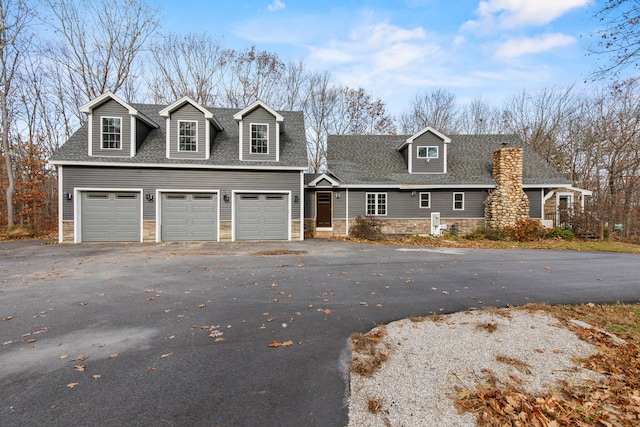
[(560, 233), (526, 230), (482, 233), (367, 227)]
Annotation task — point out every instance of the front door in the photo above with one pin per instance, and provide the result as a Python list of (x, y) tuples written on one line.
[(323, 219)]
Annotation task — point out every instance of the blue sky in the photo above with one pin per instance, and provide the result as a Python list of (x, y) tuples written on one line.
[(397, 49)]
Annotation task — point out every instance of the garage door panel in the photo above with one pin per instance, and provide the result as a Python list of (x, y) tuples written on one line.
[(189, 217), (262, 217), (110, 216)]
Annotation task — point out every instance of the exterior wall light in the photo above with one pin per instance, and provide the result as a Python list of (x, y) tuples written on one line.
[(295, 199), (68, 195), (413, 194), (149, 197), (337, 195), (225, 198)]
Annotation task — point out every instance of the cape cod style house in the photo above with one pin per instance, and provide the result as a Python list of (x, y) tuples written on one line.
[(428, 182), (185, 172), (179, 172)]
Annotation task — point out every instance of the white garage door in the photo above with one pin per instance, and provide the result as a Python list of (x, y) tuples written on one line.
[(189, 216), (262, 217), (110, 216)]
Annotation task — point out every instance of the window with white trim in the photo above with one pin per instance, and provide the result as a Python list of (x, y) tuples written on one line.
[(111, 133), (428, 152), (458, 201), (187, 135), (376, 203), (425, 200), (259, 138)]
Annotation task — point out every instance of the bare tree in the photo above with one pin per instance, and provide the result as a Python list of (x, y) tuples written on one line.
[(618, 39), (319, 108), (15, 18), (252, 75), (190, 65), (478, 117), (357, 112), (541, 119), (437, 109), (616, 130), (98, 42)]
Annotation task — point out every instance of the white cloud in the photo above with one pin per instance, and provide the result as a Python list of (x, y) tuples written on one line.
[(510, 14), (527, 45), (276, 5)]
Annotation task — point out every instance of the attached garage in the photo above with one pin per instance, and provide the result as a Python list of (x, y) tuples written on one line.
[(189, 217), (262, 216), (110, 216)]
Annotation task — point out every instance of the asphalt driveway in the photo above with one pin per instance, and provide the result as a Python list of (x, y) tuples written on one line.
[(180, 334)]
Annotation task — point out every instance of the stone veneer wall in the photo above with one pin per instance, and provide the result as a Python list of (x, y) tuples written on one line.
[(148, 231), (390, 227), (508, 203)]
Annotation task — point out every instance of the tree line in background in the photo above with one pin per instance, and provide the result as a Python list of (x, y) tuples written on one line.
[(56, 55)]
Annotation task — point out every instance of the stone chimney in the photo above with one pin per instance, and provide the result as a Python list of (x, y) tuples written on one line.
[(508, 202)]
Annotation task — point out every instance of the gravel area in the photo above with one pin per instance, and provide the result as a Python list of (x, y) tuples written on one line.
[(427, 359)]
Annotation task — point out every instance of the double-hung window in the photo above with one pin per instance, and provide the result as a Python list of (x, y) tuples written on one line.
[(376, 203), (187, 135), (425, 200), (259, 138), (428, 152), (458, 201), (111, 130)]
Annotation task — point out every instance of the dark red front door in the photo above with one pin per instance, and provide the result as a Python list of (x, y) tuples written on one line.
[(323, 219)]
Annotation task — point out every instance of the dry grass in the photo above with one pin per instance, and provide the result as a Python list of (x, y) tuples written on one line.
[(461, 242), (613, 402)]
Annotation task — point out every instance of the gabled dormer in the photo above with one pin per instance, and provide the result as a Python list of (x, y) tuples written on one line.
[(115, 128), (426, 151), (190, 130), (259, 129)]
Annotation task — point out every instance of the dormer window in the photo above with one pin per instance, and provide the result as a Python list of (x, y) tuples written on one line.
[(187, 135), (428, 152), (259, 138), (111, 133)]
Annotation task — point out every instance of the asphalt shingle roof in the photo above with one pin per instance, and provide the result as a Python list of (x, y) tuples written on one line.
[(375, 160), (293, 149)]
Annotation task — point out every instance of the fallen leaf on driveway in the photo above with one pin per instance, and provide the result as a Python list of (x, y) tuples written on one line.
[(80, 368), (281, 344), (202, 305), (166, 355), (114, 355), (80, 358), (72, 385), (8, 318), (96, 376)]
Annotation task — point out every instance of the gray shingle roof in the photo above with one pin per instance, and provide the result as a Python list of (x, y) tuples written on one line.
[(374, 160), (293, 149)]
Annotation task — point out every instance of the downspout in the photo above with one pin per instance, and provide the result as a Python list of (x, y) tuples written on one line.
[(60, 206), (346, 209)]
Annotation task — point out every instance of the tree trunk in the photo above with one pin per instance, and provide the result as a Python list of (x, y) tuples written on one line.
[(6, 147)]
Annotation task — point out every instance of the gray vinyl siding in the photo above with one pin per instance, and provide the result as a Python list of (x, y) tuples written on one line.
[(213, 132), (434, 165), (535, 203), (142, 130), (310, 204), (185, 179), (258, 116), (111, 109), (400, 204), (187, 112), (405, 155)]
